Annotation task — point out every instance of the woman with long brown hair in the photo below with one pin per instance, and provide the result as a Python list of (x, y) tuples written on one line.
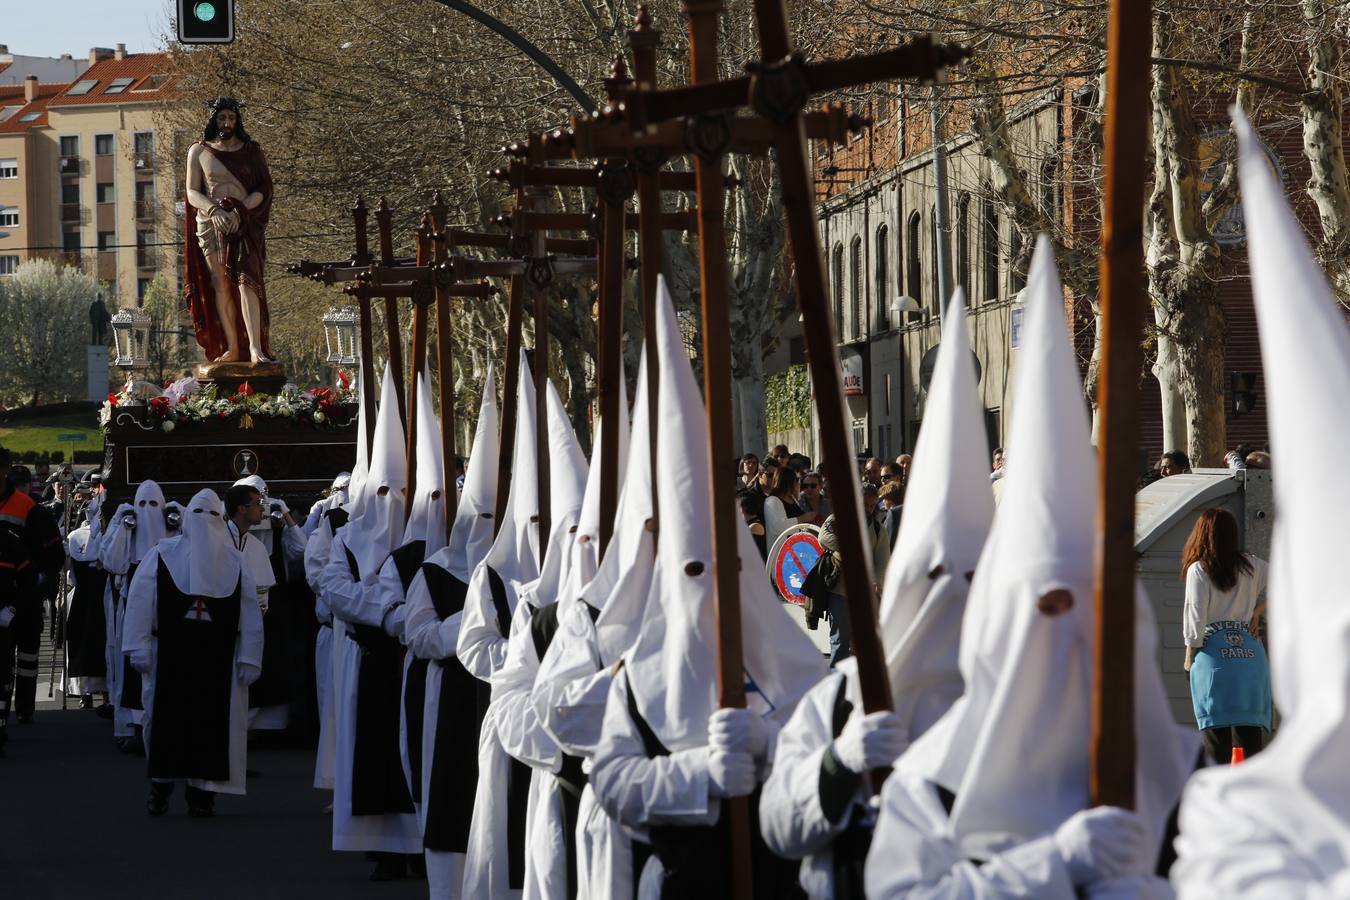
[(1230, 677)]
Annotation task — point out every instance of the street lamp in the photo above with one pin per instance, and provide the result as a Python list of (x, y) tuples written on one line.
[(903, 303), (131, 338), (340, 334)]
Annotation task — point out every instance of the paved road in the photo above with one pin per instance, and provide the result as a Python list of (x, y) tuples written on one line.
[(88, 835)]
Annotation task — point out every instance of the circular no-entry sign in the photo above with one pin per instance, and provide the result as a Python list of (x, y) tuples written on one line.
[(791, 558)]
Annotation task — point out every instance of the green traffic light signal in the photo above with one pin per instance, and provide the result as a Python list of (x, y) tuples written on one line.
[(205, 21)]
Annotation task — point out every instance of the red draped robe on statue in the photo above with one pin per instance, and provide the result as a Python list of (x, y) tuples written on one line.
[(245, 252)]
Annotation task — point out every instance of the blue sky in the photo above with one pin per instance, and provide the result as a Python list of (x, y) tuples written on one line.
[(53, 27)]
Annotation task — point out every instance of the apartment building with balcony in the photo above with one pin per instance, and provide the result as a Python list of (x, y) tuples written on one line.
[(87, 177)]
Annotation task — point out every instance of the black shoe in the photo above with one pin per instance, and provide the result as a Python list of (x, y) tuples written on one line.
[(158, 803), (201, 804), (390, 867), (105, 711), (24, 718), (417, 865), (87, 701)]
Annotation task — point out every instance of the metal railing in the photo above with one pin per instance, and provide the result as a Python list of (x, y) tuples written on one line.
[(71, 212)]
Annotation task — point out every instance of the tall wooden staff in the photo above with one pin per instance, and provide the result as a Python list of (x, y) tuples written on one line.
[(368, 388), (515, 312), (384, 224), (713, 270), (1123, 306), (423, 296)]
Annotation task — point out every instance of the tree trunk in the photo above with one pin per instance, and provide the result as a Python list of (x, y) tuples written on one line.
[(748, 391), (1328, 185)]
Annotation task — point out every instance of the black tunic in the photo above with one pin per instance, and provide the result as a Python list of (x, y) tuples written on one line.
[(697, 858), (86, 625), (460, 710), (274, 684), (379, 786), (194, 681), (407, 560)]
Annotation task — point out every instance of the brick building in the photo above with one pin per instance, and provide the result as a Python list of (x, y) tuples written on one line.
[(86, 179)]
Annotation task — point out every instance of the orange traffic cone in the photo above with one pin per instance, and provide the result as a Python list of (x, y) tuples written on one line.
[(1239, 755)]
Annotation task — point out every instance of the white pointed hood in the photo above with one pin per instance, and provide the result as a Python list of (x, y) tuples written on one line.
[(1298, 783), (471, 536), (622, 585), (515, 551), (378, 529), (356, 481), (584, 547), (1014, 748), (672, 670), (427, 520), (948, 511), (204, 562), (567, 485), (150, 527)]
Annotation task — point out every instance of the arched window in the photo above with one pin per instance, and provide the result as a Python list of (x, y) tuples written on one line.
[(913, 264), (837, 282), (856, 286), (882, 279), (1016, 275), (989, 250), (962, 241), (935, 279)]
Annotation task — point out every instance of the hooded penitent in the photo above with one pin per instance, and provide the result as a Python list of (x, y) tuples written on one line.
[(1014, 747), (673, 668), (471, 535), (621, 587), (150, 529), (514, 556), (210, 567), (1279, 824), (584, 547), (948, 510), (567, 484), (427, 520), (378, 529)]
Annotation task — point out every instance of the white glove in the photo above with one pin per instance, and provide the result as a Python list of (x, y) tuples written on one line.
[(7, 615), (1103, 843), (871, 741), (140, 661), (730, 774), (248, 673), (262, 600), (738, 731)]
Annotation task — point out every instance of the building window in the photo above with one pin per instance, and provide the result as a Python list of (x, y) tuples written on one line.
[(118, 85), (962, 241), (1016, 275), (70, 146), (838, 283), (70, 241), (143, 146), (1050, 192), (104, 192), (9, 215), (9, 168), (70, 193), (142, 288), (936, 278), (883, 299), (9, 265), (913, 262), (106, 240), (82, 87), (989, 250), (103, 145), (856, 285)]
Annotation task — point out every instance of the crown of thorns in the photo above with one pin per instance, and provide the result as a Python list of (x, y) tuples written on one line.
[(220, 103)]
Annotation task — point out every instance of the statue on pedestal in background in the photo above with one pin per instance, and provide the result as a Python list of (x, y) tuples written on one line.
[(99, 317), (229, 199)]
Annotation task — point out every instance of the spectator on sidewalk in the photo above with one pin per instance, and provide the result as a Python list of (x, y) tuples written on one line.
[(812, 498), (781, 510), (1173, 462)]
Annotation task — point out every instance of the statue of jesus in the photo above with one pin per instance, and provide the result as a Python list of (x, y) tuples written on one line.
[(229, 196)]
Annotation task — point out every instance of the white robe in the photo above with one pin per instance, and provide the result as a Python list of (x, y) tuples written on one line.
[(139, 638), (327, 655), (355, 602)]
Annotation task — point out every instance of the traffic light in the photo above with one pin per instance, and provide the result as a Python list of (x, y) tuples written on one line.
[(205, 21), (1244, 392)]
